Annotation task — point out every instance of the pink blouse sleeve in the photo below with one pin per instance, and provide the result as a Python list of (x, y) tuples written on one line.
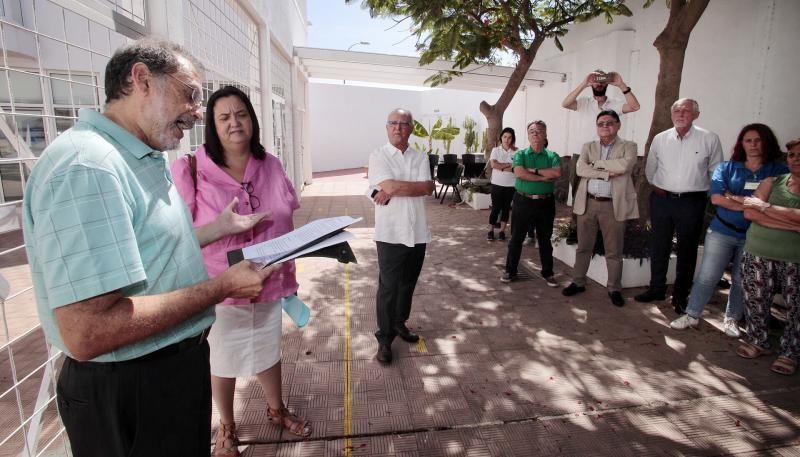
[(294, 202), (182, 177)]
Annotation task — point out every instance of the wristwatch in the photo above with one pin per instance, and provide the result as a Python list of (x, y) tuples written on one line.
[(536, 171), (626, 91)]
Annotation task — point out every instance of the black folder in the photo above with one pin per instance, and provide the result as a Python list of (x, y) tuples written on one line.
[(341, 252)]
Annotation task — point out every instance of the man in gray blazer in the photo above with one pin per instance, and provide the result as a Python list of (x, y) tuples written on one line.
[(605, 198)]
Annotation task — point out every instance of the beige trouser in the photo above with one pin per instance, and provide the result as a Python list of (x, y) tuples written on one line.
[(599, 214)]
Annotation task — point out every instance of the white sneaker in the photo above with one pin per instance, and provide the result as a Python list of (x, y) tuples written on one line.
[(731, 328), (684, 322)]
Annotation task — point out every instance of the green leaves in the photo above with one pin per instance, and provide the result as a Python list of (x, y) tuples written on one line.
[(470, 32), (419, 130), (446, 134)]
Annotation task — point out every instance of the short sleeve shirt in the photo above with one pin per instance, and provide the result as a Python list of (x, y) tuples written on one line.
[(403, 220), (772, 243), (271, 191), (734, 177), (528, 159), (101, 214), (503, 178)]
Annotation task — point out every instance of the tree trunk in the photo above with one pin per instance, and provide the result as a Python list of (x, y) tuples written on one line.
[(671, 44), (494, 113), (494, 120)]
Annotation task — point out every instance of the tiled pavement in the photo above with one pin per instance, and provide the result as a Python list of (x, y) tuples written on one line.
[(504, 370)]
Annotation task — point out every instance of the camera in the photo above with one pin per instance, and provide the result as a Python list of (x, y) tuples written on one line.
[(602, 77)]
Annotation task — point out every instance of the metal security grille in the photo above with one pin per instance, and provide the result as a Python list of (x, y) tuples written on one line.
[(52, 62), (221, 35), (281, 74)]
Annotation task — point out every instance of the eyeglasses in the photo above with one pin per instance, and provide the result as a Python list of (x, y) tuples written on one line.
[(398, 124), (254, 202), (197, 93), (607, 124)]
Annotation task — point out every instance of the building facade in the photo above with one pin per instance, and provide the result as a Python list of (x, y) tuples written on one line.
[(52, 63)]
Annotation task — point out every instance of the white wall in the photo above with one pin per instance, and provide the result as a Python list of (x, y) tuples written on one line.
[(349, 122), (359, 116), (286, 20), (741, 66)]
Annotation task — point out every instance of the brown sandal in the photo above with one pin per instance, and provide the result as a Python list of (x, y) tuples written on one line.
[(751, 351), (227, 444), (784, 365), (288, 420)]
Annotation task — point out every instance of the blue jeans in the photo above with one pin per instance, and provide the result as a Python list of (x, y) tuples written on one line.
[(718, 251)]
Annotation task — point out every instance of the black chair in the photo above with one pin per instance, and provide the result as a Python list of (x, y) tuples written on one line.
[(473, 170), (450, 158), (448, 175), (433, 160)]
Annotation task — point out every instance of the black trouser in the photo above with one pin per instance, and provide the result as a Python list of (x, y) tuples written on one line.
[(158, 404), (399, 267), (539, 214), (682, 215), (501, 204)]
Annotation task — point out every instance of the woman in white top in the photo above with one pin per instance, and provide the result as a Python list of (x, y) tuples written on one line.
[(502, 183)]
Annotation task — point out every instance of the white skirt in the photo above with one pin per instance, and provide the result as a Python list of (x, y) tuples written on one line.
[(245, 339)]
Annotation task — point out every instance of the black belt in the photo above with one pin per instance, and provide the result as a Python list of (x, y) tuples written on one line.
[(172, 349), (598, 198), (175, 348), (731, 226), (678, 195), (536, 196)]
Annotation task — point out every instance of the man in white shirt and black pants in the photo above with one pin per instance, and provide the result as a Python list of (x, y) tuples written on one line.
[(399, 179), (679, 166)]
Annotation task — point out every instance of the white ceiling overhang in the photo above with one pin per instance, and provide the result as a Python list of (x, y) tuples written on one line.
[(402, 70)]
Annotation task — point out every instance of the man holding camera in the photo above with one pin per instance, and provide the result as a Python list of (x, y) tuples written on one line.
[(589, 107)]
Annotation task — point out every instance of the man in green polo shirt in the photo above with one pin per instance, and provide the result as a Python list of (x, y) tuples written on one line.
[(116, 267), (536, 169)]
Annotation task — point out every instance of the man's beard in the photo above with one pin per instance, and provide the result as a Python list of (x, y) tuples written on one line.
[(599, 92)]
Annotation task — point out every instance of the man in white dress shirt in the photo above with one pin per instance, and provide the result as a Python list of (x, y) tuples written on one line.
[(679, 167), (400, 177)]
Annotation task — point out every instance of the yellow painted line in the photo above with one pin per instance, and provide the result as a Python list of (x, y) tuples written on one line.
[(421, 348), (348, 399)]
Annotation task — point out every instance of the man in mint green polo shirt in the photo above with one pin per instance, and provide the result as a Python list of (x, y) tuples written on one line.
[(536, 169), (116, 267)]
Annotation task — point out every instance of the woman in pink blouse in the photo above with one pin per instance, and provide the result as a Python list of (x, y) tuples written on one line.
[(245, 340)]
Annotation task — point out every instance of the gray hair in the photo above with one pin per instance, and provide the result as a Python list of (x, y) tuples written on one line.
[(538, 122), (405, 113), (680, 101), (161, 58)]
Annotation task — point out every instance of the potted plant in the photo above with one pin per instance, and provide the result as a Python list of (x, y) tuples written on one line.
[(470, 136), (435, 132)]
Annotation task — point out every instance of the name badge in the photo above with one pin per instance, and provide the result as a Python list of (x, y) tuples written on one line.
[(751, 185)]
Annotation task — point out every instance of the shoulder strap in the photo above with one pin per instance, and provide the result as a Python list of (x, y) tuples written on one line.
[(193, 168)]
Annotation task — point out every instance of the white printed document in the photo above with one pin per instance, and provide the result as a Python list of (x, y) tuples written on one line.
[(314, 236)]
